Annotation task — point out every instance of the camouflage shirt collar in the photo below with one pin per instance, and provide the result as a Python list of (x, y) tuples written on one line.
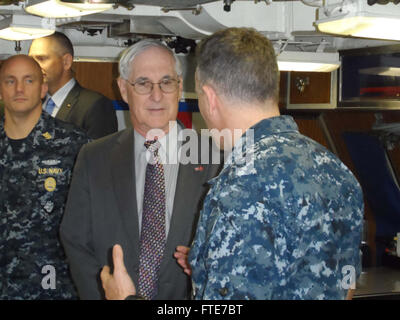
[(43, 130), (257, 132), (2, 132), (274, 125)]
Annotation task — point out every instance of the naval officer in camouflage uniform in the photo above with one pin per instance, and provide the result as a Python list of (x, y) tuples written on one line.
[(37, 153), (283, 219)]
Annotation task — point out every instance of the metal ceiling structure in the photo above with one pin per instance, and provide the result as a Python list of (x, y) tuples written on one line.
[(101, 36)]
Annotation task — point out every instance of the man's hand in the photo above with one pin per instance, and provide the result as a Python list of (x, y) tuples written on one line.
[(350, 294), (119, 285), (181, 256)]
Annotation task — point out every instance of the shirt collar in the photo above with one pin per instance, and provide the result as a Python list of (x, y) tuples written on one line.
[(168, 143), (244, 146), (43, 130), (59, 96)]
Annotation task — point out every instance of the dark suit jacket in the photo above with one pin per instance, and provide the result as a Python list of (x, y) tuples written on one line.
[(101, 211), (90, 111)]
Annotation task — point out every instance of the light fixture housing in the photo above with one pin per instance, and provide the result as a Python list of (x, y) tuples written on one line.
[(91, 2), (58, 9), (358, 19), (25, 27), (308, 61)]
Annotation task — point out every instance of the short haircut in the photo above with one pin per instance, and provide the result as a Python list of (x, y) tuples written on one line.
[(129, 54), (63, 41), (36, 66), (240, 64)]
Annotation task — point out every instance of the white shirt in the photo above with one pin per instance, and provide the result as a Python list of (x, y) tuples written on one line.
[(59, 96)]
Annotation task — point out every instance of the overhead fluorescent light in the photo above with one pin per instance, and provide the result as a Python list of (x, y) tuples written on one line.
[(362, 26), (24, 27), (308, 61), (363, 21), (92, 2), (381, 71), (100, 53), (58, 9)]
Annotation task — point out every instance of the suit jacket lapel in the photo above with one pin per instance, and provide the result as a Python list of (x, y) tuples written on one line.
[(69, 103), (187, 190), (123, 174)]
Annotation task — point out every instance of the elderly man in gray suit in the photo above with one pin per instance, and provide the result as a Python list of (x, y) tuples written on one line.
[(149, 206), (66, 99)]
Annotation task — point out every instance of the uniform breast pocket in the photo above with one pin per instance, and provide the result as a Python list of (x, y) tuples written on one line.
[(52, 188), (46, 187)]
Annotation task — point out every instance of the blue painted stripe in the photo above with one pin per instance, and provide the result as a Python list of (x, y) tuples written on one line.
[(184, 106), (188, 106), (120, 105)]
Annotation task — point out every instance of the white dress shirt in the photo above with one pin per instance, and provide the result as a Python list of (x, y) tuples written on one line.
[(59, 96)]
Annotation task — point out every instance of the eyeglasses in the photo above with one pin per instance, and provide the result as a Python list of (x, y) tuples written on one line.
[(146, 86)]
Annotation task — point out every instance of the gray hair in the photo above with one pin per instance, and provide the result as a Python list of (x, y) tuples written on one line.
[(130, 53), (240, 63)]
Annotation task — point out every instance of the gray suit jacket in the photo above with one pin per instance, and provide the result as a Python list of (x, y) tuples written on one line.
[(101, 211), (90, 111)]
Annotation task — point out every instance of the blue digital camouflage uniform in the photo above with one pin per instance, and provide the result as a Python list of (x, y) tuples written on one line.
[(34, 186), (281, 227)]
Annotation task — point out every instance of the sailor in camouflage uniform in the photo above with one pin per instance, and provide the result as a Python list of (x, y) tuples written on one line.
[(35, 171), (283, 219)]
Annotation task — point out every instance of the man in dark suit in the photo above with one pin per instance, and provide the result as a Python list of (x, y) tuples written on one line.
[(107, 200), (66, 99)]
